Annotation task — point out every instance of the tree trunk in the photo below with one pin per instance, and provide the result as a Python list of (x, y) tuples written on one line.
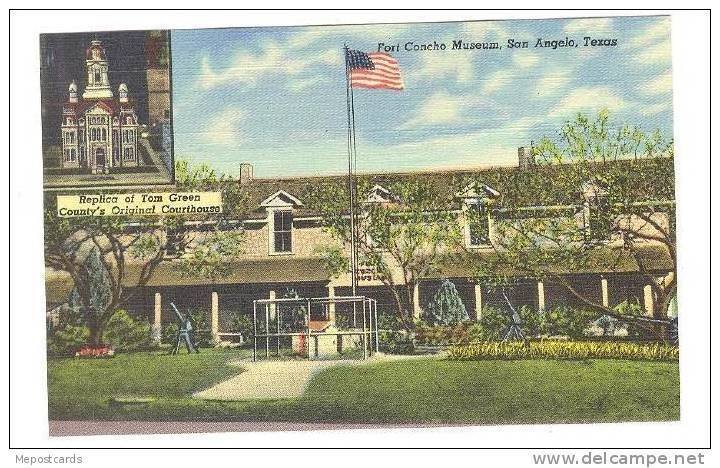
[(96, 333), (401, 308)]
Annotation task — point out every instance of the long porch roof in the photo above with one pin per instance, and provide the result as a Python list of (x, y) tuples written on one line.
[(288, 270)]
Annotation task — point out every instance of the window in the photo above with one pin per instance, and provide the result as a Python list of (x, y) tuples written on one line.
[(128, 154), (104, 135), (282, 231), (478, 224)]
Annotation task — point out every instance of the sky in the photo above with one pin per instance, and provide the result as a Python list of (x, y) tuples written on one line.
[(275, 97)]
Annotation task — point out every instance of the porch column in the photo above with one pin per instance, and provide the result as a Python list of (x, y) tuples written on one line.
[(648, 300), (541, 296), (272, 308), (157, 320), (604, 292), (478, 301), (214, 317), (331, 305), (417, 310)]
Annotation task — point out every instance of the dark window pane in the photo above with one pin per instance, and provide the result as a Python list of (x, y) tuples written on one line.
[(283, 242)]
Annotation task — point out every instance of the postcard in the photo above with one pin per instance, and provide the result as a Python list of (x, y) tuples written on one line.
[(366, 225)]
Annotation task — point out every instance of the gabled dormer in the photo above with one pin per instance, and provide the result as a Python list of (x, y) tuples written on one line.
[(379, 194), (280, 199), (476, 191), (279, 207)]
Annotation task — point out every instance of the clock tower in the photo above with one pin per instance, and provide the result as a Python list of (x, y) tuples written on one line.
[(98, 84)]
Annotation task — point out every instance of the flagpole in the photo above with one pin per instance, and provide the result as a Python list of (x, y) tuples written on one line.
[(351, 177)]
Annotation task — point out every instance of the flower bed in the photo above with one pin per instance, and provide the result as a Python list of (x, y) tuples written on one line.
[(95, 352), (554, 349)]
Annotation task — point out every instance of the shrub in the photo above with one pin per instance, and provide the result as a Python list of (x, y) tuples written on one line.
[(396, 342), (125, 333), (241, 323), (567, 321), (446, 307), (67, 340), (392, 337), (555, 349), (493, 323), (559, 321)]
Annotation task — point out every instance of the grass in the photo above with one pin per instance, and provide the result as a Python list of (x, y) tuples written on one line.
[(413, 390)]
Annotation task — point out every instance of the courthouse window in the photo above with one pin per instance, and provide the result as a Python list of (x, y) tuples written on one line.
[(282, 231)]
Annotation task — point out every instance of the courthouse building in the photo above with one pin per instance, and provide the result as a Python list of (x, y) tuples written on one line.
[(99, 130)]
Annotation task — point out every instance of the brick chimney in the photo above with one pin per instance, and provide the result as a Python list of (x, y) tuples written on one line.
[(246, 173), (526, 158)]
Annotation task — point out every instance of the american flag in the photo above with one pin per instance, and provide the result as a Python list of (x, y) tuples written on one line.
[(374, 70)]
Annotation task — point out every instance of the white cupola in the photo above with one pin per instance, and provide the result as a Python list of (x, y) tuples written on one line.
[(123, 92), (72, 92)]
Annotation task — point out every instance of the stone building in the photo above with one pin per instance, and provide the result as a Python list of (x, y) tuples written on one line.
[(283, 235)]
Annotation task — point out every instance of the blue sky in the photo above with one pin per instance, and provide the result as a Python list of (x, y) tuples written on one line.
[(275, 97)]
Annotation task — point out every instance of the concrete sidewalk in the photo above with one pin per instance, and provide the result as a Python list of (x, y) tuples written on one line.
[(270, 380), (267, 380)]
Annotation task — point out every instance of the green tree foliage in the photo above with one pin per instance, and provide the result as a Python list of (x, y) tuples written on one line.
[(446, 306), (598, 195), (128, 249), (408, 233)]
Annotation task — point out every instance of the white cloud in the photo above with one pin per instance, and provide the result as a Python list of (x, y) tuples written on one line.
[(457, 67), (588, 100), (223, 128), (589, 26), (651, 45), (553, 82), (656, 108), (657, 54), (526, 60), (498, 80), (438, 109), (658, 31), (245, 69), (660, 85)]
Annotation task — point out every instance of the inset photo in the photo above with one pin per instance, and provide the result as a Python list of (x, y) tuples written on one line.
[(106, 109)]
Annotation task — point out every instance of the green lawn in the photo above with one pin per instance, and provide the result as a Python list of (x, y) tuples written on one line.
[(418, 390)]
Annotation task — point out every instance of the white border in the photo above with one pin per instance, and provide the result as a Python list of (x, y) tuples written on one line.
[(29, 420)]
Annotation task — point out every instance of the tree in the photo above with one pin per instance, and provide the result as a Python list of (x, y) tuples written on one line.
[(110, 258), (406, 230), (446, 307), (621, 184)]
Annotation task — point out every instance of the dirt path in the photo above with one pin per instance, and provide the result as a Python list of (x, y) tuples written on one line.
[(269, 380)]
